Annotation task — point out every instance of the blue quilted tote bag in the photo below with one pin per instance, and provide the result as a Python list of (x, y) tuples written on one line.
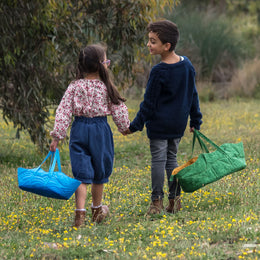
[(50, 184)]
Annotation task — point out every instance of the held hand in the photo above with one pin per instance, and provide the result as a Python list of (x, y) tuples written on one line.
[(54, 145), (127, 132)]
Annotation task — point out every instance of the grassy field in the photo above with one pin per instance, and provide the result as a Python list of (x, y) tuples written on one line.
[(220, 221)]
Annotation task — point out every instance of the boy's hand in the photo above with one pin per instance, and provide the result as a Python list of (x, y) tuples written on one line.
[(192, 129), (54, 145), (127, 132)]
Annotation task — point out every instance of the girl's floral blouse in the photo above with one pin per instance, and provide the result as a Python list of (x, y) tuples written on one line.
[(87, 98)]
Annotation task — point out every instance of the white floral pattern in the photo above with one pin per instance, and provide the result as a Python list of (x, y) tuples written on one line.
[(87, 98)]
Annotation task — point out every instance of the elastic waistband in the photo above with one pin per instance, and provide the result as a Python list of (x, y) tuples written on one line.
[(90, 120)]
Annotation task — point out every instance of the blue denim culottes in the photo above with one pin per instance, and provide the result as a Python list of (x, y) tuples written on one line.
[(91, 149)]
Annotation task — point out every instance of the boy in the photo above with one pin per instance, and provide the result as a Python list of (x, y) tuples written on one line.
[(170, 98)]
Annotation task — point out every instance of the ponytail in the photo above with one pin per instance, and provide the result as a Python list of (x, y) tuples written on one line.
[(80, 69), (113, 93)]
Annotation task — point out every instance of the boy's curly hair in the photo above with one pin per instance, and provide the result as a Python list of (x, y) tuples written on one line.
[(166, 31)]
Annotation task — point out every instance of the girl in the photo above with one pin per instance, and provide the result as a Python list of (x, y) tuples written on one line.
[(90, 98)]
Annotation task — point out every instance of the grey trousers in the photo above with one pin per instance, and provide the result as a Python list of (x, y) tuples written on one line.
[(164, 157)]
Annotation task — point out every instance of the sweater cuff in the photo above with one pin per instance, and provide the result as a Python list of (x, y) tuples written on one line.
[(196, 126), (132, 128)]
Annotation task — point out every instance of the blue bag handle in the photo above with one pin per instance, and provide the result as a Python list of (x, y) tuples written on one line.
[(55, 157), (48, 155)]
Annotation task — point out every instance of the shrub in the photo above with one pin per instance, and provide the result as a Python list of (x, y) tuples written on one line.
[(246, 80), (208, 39)]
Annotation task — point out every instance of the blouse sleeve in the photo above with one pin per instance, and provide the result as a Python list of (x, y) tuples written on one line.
[(63, 114), (120, 116)]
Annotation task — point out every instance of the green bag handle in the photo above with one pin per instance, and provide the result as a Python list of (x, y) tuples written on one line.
[(197, 134), (202, 144)]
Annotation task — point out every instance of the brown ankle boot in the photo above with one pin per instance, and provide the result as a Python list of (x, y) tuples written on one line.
[(174, 205), (79, 218), (156, 207), (99, 214)]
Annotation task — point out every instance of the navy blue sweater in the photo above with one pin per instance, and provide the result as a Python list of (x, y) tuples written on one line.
[(170, 98)]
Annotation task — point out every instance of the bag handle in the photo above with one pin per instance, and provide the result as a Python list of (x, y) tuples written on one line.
[(200, 136), (202, 144), (47, 156), (55, 157)]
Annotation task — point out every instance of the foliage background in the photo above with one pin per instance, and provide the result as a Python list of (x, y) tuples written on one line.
[(38, 49), (40, 42)]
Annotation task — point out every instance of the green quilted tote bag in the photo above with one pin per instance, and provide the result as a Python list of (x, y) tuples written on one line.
[(209, 167)]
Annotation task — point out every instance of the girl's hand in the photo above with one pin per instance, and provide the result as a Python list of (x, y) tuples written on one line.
[(127, 132), (54, 145), (192, 129)]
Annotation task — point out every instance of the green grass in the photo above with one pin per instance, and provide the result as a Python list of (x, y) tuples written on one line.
[(220, 221)]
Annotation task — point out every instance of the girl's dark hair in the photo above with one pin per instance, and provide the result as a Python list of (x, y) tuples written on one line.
[(166, 31), (90, 61)]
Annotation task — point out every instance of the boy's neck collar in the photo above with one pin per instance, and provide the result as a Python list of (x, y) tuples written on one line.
[(170, 57)]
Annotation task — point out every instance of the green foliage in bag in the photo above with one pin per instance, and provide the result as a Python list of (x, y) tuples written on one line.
[(210, 167)]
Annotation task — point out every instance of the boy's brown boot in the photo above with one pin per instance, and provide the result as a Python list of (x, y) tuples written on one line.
[(156, 207), (99, 214), (174, 205), (79, 218)]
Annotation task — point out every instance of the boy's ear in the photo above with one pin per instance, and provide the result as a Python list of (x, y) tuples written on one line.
[(167, 46)]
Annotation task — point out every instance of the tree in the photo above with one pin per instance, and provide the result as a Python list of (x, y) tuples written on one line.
[(40, 41)]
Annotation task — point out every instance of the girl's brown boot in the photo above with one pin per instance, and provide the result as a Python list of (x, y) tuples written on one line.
[(79, 218), (100, 213), (174, 205)]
